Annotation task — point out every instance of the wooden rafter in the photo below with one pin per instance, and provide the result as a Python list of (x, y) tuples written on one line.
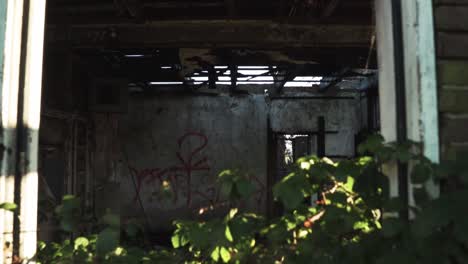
[(328, 9), (217, 33)]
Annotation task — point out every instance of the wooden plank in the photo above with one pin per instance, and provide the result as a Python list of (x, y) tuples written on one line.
[(213, 33), (452, 45), (450, 2), (453, 128), (453, 72), (453, 101), (454, 151), (451, 17)]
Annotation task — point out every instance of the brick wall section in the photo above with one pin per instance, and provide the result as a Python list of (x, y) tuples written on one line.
[(451, 22)]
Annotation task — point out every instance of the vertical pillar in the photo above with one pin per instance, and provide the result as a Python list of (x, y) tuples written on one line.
[(386, 64), (421, 79), (420, 93), (3, 14), (233, 75), (212, 77), (20, 113), (11, 44), (30, 121)]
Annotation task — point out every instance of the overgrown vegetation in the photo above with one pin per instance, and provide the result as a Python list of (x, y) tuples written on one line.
[(354, 222)]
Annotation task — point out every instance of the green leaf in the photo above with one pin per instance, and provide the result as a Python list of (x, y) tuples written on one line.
[(345, 169), (225, 255), (215, 254), (372, 144), (349, 184), (244, 187), (232, 213), (41, 245), (175, 239), (107, 241), (361, 225), (226, 175), (276, 232), (68, 197), (291, 190), (69, 213), (228, 234), (81, 242), (385, 153), (338, 198), (8, 206), (402, 153)]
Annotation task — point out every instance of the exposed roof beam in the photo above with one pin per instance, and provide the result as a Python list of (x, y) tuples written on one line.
[(106, 7), (231, 7), (329, 8), (217, 33)]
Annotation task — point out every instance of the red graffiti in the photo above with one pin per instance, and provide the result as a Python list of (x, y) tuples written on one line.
[(189, 161), (188, 164)]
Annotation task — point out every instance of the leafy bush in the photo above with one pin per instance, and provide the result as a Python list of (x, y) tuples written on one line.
[(355, 221)]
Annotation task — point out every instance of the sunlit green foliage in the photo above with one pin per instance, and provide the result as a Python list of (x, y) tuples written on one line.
[(8, 206), (354, 222)]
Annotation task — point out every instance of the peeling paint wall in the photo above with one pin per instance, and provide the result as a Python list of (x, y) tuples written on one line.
[(342, 116), (188, 140)]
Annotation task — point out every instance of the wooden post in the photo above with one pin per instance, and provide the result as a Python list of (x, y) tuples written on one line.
[(33, 32), (11, 53), (386, 61), (20, 116), (421, 79)]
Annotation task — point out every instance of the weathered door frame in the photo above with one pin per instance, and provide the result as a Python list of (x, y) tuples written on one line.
[(407, 66)]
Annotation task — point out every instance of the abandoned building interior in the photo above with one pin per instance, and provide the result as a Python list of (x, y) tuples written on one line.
[(141, 94)]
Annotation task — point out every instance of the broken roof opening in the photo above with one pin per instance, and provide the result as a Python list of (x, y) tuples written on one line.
[(268, 75)]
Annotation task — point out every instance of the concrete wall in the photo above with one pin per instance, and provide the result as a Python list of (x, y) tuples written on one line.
[(188, 140), (342, 116)]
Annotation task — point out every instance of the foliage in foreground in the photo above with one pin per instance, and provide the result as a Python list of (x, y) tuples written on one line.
[(354, 222)]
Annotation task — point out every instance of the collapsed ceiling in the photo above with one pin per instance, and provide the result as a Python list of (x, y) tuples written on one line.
[(169, 42)]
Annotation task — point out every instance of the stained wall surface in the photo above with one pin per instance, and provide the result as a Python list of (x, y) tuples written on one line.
[(187, 141)]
